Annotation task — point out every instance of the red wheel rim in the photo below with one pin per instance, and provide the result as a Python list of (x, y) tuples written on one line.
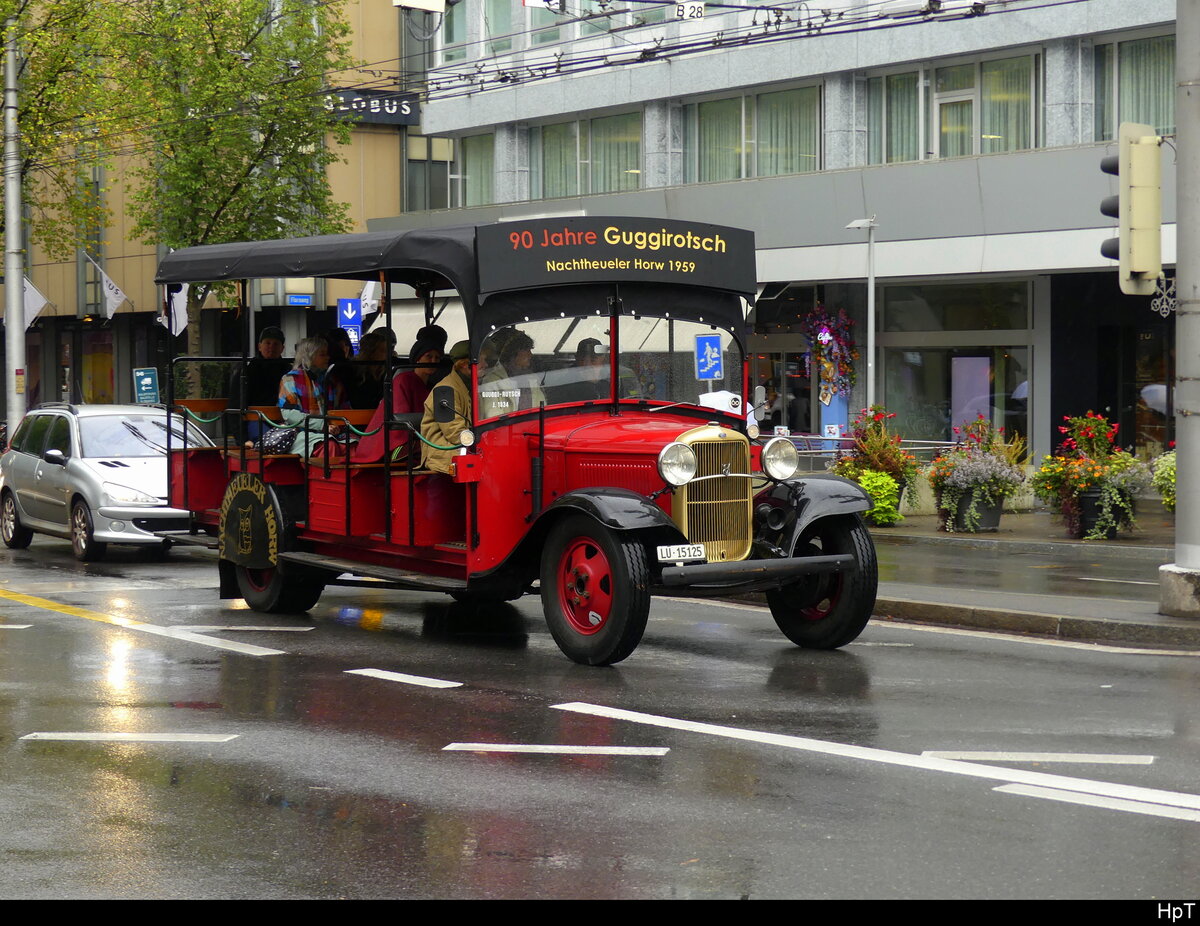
[(831, 588), (260, 579), (585, 586)]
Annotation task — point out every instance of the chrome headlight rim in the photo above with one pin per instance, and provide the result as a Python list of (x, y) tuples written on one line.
[(127, 495), (780, 459), (677, 463)]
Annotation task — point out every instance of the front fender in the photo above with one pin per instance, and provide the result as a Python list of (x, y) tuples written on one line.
[(617, 509), (783, 510)]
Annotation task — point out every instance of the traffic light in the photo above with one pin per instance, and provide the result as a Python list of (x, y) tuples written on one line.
[(1138, 209)]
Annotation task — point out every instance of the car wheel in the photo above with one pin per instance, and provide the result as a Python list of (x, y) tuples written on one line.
[(268, 590), (15, 535), (83, 540), (828, 610), (595, 591)]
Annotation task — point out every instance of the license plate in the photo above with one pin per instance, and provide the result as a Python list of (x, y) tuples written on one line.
[(681, 553)]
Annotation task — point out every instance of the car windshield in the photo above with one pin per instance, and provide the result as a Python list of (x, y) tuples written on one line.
[(563, 360), (132, 435)]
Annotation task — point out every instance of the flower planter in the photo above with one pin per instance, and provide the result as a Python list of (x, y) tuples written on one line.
[(1090, 513), (989, 516)]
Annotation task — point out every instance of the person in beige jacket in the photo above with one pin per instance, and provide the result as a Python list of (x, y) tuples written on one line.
[(446, 434)]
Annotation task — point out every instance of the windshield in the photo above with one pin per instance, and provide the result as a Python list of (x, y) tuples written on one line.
[(133, 435), (567, 359)]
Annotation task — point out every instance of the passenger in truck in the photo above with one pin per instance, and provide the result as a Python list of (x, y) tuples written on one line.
[(307, 390), (445, 434), (410, 389)]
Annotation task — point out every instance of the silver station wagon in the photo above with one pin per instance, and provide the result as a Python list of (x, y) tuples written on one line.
[(96, 474)]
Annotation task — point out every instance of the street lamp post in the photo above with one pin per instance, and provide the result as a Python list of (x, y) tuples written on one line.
[(870, 225)]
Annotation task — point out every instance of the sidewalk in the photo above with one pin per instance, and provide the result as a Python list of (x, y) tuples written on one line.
[(1072, 610)]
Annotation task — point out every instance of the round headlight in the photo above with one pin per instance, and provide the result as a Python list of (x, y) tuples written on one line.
[(780, 460), (466, 437), (677, 464), (752, 431)]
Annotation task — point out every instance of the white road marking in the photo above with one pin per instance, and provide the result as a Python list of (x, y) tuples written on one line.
[(406, 679), (127, 623), (15, 626), (560, 750), (1116, 581), (215, 628), (97, 737), (1081, 757), (1108, 803), (887, 757)]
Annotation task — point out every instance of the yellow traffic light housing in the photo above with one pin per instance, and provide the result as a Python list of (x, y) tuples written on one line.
[(1138, 209)]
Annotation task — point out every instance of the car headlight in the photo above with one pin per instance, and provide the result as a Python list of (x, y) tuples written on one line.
[(676, 464), (780, 459), (124, 495)]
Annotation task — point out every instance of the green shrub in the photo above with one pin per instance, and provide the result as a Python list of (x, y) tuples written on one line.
[(885, 493)]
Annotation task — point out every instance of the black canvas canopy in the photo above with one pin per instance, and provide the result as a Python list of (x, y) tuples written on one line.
[(442, 258), (566, 256)]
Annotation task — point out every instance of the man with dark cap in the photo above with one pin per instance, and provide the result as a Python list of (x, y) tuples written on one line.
[(410, 389), (589, 375), (258, 384)]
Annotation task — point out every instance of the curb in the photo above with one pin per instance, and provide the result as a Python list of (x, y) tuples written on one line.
[(1165, 632), (1159, 555)]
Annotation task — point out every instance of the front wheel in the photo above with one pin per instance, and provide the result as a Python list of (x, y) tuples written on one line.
[(15, 535), (829, 610), (269, 591), (595, 591), (83, 540)]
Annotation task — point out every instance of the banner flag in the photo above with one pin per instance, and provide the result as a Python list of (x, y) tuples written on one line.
[(113, 296), (34, 302)]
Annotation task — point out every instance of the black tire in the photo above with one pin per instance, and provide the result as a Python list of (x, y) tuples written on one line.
[(595, 591), (83, 539), (830, 610), (270, 591), (14, 534)]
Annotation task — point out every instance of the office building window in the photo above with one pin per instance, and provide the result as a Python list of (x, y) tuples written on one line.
[(454, 33), (445, 173), (601, 155), (985, 107), (1134, 81), (498, 26), (475, 170), (894, 129), (760, 135)]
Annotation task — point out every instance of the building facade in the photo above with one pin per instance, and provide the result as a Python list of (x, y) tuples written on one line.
[(972, 132)]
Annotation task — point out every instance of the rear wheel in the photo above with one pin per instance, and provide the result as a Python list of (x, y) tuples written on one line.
[(15, 535), (83, 540), (595, 591), (829, 610), (270, 591)]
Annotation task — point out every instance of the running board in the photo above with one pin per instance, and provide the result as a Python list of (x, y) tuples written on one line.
[(396, 578), (187, 537)]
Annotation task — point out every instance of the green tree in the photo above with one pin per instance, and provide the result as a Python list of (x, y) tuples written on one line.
[(227, 103), (62, 119)]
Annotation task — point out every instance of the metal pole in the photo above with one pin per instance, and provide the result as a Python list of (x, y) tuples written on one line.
[(14, 264), (871, 313), (1180, 582)]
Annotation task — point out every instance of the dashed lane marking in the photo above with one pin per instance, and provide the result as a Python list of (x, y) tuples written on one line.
[(1079, 757), (126, 623), (559, 750), (100, 737), (215, 628), (405, 679)]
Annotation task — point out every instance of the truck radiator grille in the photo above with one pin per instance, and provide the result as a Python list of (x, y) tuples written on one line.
[(717, 512)]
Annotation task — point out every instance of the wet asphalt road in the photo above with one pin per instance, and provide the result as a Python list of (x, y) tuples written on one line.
[(778, 772)]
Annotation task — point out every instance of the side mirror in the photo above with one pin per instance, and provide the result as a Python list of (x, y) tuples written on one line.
[(55, 456), (443, 404)]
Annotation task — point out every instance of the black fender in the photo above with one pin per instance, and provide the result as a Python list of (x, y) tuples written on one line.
[(784, 509), (617, 509)]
